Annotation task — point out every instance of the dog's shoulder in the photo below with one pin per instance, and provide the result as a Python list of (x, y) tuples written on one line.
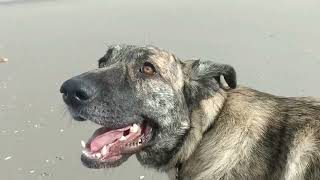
[(296, 120), (247, 102), (245, 94), (245, 133)]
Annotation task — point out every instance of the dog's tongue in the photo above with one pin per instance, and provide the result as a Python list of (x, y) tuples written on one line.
[(98, 141), (106, 138)]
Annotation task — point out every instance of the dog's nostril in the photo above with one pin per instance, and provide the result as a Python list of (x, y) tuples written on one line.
[(82, 95), (62, 89)]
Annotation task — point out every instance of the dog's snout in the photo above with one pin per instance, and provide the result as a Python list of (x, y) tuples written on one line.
[(77, 91)]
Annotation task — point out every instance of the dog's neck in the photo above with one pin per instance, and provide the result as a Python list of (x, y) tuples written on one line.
[(202, 119)]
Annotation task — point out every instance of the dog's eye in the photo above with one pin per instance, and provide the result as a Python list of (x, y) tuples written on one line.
[(148, 69)]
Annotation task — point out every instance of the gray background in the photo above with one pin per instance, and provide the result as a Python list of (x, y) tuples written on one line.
[(273, 44)]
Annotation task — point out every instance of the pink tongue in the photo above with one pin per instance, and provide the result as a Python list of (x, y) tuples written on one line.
[(104, 139)]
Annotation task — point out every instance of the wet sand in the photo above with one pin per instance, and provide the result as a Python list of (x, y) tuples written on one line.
[(274, 46)]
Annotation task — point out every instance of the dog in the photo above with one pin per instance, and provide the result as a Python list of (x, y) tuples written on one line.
[(191, 120)]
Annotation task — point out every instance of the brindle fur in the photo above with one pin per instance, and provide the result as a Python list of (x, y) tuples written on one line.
[(214, 131)]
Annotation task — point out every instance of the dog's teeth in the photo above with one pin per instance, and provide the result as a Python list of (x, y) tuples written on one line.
[(140, 141), (83, 144), (123, 138), (104, 150), (98, 155), (85, 153), (134, 128)]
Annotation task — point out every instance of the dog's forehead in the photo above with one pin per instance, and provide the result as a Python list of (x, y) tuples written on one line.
[(129, 53), (168, 65)]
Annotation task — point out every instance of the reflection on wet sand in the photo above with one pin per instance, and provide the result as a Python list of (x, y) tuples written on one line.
[(2, 59)]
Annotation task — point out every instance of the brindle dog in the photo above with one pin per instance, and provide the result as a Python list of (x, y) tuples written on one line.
[(189, 119)]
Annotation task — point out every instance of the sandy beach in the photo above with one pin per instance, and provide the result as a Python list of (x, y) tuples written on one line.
[(273, 45)]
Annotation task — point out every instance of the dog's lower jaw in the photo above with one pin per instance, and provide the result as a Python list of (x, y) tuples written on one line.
[(95, 165)]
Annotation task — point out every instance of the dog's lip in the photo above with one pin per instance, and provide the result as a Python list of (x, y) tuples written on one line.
[(79, 118), (103, 121), (97, 164)]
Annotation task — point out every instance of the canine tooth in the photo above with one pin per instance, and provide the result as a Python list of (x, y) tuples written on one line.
[(134, 128), (140, 140), (104, 150), (123, 138), (98, 155), (83, 144)]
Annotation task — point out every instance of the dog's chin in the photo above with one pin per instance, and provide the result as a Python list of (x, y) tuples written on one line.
[(111, 146)]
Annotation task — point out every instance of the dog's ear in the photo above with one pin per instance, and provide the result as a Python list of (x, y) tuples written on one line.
[(203, 78), (103, 60)]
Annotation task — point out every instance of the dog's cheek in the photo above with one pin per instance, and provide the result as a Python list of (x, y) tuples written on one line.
[(156, 96)]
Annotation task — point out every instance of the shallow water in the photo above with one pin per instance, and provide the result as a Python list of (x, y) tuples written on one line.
[(274, 46)]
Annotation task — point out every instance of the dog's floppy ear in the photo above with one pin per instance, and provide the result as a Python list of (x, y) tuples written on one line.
[(202, 78)]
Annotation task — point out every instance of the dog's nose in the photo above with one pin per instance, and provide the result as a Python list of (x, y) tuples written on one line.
[(77, 91)]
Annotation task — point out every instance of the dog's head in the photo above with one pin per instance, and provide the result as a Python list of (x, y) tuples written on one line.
[(142, 97)]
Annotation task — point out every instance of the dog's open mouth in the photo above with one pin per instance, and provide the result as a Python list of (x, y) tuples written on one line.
[(109, 145)]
